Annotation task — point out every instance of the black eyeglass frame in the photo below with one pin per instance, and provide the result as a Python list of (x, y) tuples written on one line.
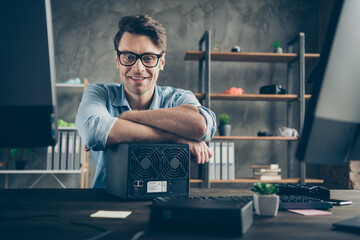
[(139, 56)]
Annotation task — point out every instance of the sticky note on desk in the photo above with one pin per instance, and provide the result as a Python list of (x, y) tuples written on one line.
[(309, 212), (111, 214)]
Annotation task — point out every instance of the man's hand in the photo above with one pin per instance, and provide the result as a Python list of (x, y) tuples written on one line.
[(199, 151)]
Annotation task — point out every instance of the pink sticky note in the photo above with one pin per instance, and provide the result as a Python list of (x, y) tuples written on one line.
[(310, 212)]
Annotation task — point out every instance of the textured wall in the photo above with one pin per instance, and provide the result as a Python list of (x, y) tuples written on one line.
[(84, 29)]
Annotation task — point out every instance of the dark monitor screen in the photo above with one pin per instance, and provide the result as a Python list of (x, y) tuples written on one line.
[(332, 119), (27, 93)]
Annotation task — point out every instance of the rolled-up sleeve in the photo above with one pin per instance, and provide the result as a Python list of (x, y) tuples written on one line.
[(188, 97), (93, 120), (210, 123)]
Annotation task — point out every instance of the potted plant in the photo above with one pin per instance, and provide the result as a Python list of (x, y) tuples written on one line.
[(265, 199), (19, 155), (224, 125), (277, 48)]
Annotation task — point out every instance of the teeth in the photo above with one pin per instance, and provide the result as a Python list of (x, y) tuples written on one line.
[(138, 78)]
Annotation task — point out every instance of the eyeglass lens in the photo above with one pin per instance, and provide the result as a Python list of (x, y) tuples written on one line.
[(149, 60)]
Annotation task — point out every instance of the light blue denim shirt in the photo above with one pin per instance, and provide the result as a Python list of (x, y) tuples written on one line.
[(102, 103)]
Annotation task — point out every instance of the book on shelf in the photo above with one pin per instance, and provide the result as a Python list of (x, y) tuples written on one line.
[(231, 158), (224, 161), (354, 166), (217, 161), (266, 173), (266, 177), (56, 154), (264, 170), (77, 152), (64, 147), (265, 166), (211, 162), (49, 157), (70, 152)]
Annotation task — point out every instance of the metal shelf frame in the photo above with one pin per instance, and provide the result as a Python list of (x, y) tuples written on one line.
[(205, 88)]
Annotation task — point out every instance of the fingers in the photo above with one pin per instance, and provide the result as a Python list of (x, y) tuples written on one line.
[(200, 152)]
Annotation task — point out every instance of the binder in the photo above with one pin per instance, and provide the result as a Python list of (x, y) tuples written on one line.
[(64, 147), (77, 160), (49, 158), (231, 158), (70, 152), (211, 162), (55, 164), (224, 161), (217, 160)]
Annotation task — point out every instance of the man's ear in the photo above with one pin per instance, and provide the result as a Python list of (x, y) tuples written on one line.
[(117, 61), (162, 62)]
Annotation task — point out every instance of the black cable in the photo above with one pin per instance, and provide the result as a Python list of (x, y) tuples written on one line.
[(138, 235), (104, 233)]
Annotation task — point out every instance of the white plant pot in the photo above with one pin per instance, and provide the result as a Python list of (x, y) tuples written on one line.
[(266, 205)]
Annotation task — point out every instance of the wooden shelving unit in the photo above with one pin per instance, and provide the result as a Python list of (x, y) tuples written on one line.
[(205, 94), (252, 97), (251, 180), (249, 56), (270, 138)]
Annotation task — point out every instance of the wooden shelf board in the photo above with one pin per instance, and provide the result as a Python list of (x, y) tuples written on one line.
[(249, 56), (42, 171), (251, 180), (69, 85), (272, 138), (252, 97)]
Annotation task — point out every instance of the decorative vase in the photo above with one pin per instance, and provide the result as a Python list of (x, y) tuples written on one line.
[(266, 204), (20, 164), (278, 50), (224, 130)]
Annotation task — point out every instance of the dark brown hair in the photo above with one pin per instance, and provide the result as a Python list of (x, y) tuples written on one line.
[(142, 25)]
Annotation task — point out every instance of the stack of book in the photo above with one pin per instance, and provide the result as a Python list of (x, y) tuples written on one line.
[(354, 174), (266, 171)]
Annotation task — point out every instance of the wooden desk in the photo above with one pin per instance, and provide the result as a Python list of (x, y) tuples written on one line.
[(78, 204)]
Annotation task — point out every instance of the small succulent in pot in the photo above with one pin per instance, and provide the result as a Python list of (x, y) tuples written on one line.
[(224, 125), (266, 201)]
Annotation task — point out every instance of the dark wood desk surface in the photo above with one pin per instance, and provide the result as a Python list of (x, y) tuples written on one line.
[(78, 204)]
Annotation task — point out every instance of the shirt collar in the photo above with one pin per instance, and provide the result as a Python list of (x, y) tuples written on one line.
[(121, 99), (156, 99)]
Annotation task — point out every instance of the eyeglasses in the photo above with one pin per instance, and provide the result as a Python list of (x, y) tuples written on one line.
[(128, 59)]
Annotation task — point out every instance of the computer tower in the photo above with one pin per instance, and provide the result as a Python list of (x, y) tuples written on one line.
[(146, 170)]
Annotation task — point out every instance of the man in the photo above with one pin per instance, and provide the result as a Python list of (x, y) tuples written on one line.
[(138, 110)]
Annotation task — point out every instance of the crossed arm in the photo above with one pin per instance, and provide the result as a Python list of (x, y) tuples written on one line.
[(180, 124)]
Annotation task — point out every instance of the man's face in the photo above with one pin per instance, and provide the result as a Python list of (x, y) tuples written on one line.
[(138, 79)]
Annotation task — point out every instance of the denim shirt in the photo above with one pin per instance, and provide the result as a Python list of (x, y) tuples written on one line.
[(102, 103)]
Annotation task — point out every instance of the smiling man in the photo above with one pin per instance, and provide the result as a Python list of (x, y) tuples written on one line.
[(137, 110)]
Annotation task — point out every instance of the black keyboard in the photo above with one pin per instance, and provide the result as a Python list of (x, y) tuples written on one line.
[(286, 201)]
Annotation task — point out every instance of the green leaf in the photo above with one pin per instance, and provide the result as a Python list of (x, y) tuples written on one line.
[(276, 44), (224, 119), (14, 152), (264, 188)]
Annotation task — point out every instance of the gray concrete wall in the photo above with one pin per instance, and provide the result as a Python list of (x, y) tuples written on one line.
[(84, 29)]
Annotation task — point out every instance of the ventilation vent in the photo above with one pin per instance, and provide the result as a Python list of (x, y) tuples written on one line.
[(145, 163), (174, 163)]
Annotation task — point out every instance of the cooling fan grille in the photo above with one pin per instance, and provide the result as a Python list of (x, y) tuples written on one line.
[(175, 163), (145, 163), (151, 163)]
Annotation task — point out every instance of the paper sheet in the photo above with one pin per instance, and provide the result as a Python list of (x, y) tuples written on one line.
[(310, 212), (111, 214)]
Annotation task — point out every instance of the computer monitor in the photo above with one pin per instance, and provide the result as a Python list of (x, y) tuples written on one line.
[(27, 90), (332, 119)]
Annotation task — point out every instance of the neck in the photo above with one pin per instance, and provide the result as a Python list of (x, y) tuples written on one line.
[(140, 102)]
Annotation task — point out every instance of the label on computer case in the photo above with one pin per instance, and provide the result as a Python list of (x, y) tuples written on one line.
[(156, 186)]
